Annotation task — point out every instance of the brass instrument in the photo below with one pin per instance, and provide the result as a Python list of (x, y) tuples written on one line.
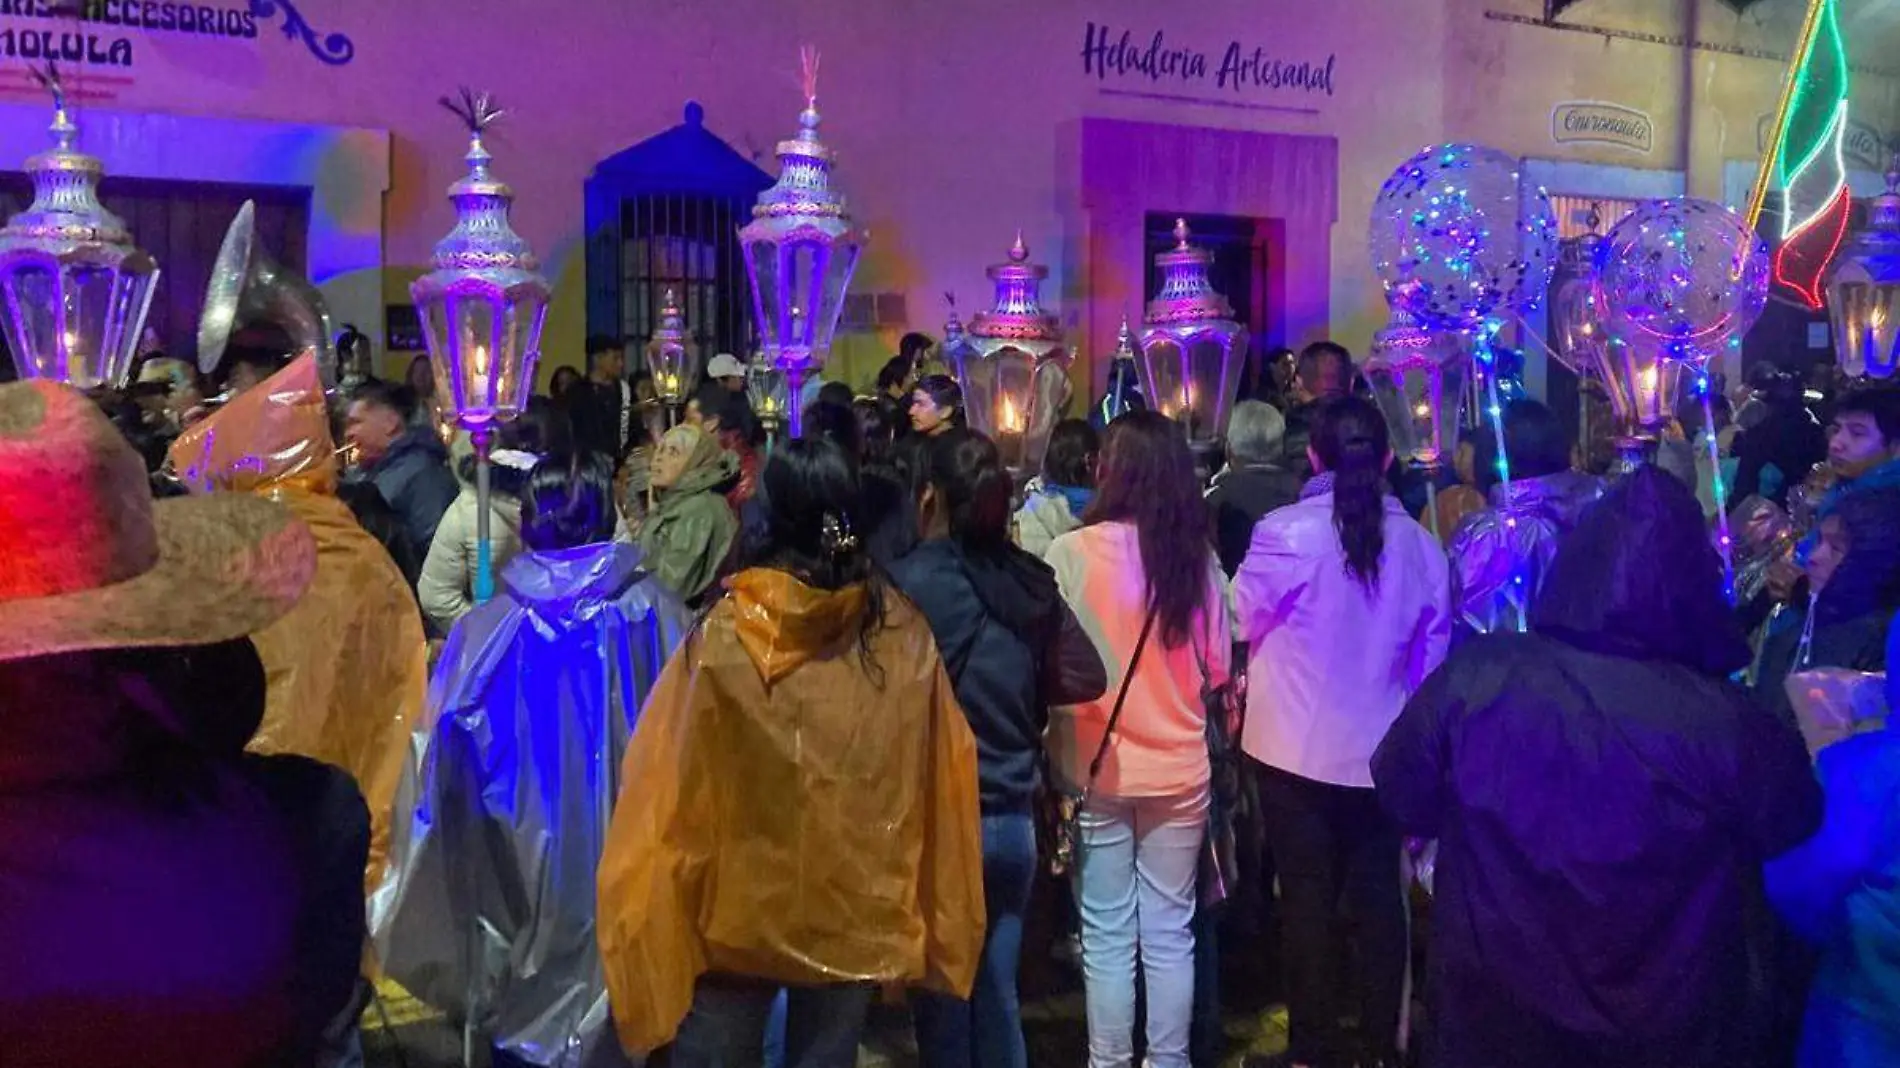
[(248, 286)]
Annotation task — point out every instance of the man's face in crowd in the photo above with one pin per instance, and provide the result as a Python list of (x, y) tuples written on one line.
[(610, 365), (1828, 552), (1855, 445), (371, 429), (733, 383)]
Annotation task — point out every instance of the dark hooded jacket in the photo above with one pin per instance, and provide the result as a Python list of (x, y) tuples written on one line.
[(414, 478), (1603, 800), (1011, 647), (166, 900), (1851, 615)]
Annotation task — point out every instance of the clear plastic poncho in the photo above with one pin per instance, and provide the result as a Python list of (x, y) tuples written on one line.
[(488, 909)]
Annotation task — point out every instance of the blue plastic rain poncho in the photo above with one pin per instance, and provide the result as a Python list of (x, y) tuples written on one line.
[(1841, 890), (489, 907)]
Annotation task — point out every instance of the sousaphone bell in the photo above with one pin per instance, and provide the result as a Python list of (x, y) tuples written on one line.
[(247, 286)]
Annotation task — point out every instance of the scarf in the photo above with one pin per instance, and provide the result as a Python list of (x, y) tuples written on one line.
[(1078, 497)]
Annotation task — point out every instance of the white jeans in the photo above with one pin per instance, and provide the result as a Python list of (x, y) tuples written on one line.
[(1135, 889)]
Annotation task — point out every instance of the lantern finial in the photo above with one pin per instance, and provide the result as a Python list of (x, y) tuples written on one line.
[(1019, 252), (1181, 235), (63, 129), (477, 111), (1125, 339)]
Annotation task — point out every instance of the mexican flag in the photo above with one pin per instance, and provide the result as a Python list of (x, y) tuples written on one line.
[(1806, 165)]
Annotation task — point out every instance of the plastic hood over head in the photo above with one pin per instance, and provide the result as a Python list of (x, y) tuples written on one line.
[(276, 435), (488, 910), (797, 810)]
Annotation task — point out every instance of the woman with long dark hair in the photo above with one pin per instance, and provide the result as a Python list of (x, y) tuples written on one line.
[(782, 836), (1142, 576), (1012, 648), (1345, 603)]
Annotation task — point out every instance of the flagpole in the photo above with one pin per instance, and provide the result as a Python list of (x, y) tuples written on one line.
[(1810, 26)]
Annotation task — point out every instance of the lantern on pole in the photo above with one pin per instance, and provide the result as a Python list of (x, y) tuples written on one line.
[(76, 288), (675, 368), (1418, 378), (482, 309), (1013, 366), (1192, 350), (800, 249), (766, 391), (1863, 292)]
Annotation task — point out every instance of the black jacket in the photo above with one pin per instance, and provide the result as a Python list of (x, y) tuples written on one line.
[(1238, 498), (1603, 799), (1011, 647), (1601, 824), (1789, 440)]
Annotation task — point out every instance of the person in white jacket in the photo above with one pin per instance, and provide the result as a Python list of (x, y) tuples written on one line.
[(1345, 603), (1054, 502), (446, 588)]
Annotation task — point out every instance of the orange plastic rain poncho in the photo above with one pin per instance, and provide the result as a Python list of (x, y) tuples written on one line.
[(348, 667), (784, 816)]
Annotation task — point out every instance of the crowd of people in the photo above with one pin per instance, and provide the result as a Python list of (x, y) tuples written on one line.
[(746, 737)]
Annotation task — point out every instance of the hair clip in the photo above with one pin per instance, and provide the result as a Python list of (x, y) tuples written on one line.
[(837, 536)]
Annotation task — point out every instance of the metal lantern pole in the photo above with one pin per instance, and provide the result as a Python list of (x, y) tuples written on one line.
[(482, 310)]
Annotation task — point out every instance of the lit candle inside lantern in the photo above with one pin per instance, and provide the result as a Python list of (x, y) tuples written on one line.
[(478, 379), (1009, 432)]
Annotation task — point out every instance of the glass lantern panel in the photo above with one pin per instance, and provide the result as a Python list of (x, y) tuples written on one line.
[(833, 280), (131, 301), (515, 369), (762, 264), (802, 263), (478, 362), (997, 399), (1866, 327), (433, 313), (32, 300), (1215, 361), (1164, 380), (96, 354), (1643, 386), (1421, 402)]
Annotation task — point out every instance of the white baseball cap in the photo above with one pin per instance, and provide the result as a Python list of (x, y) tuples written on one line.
[(725, 365)]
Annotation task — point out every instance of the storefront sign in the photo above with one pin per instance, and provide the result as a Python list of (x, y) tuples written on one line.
[(102, 33), (1864, 149), (1594, 123), (1241, 68)]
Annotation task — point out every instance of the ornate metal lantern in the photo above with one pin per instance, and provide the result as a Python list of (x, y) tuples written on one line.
[(76, 289), (1013, 366), (675, 367), (482, 309), (1418, 378), (766, 391), (1192, 350), (483, 306), (800, 249), (1863, 292)]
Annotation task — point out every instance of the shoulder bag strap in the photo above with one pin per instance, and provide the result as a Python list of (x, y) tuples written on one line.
[(1121, 698)]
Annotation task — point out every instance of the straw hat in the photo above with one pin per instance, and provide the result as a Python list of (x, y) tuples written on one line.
[(89, 561)]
